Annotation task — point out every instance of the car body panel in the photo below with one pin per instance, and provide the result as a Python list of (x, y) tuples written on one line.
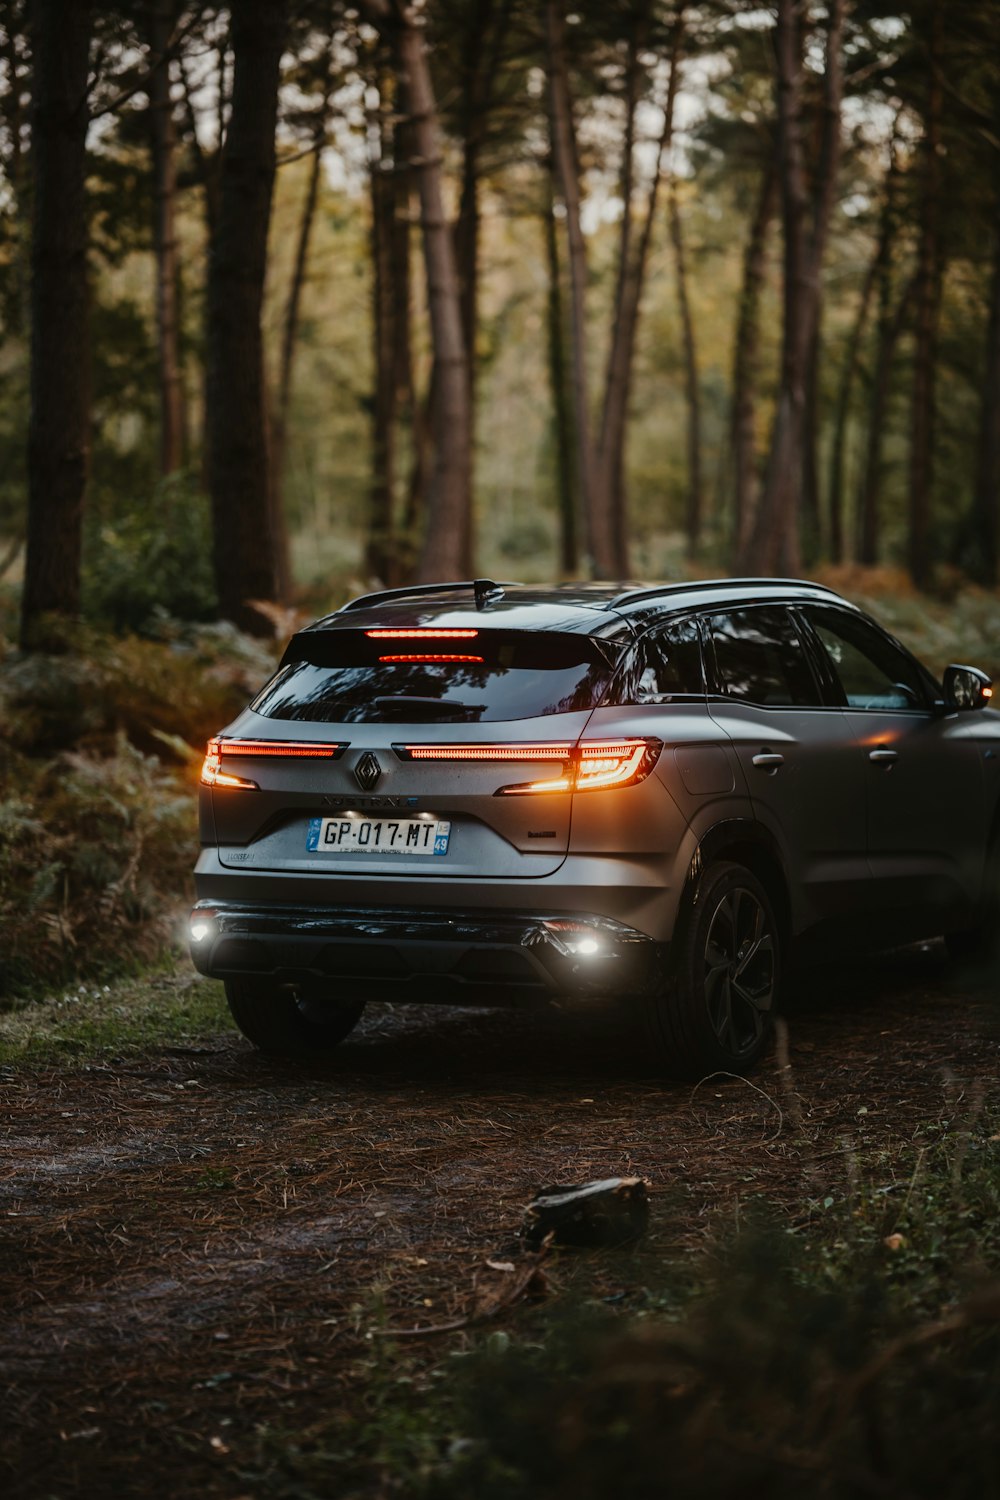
[(843, 837)]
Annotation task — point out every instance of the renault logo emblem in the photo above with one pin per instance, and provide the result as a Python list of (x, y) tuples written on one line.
[(367, 771)]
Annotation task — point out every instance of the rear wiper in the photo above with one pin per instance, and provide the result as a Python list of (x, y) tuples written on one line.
[(447, 707)]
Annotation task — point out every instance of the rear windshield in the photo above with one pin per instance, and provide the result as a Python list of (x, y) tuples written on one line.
[(339, 678)]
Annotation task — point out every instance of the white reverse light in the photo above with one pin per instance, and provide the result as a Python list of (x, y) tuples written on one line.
[(586, 947)]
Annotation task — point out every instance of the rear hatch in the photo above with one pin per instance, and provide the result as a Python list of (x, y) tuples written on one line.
[(390, 752)]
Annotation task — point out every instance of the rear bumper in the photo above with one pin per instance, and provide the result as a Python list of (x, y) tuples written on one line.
[(394, 953)]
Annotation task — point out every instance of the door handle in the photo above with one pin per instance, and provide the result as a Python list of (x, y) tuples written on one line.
[(768, 760), (883, 757)]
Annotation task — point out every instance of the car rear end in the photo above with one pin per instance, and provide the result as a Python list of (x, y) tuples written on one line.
[(393, 815)]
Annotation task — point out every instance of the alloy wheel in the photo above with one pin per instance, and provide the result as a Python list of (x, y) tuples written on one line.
[(739, 971)]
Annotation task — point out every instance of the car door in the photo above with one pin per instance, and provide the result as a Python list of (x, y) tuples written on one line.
[(798, 755), (925, 792)]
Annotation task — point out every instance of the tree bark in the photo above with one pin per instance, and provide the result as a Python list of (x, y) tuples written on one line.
[(928, 306), (14, 52), (835, 499), (379, 547), (598, 530), (236, 410), (890, 326), (746, 360), (692, 386), (59, 419), (774, 544), (610, 458), (986, 510), (562, 415), (447, 537), (163, 135), (289, 340), (878, 278)]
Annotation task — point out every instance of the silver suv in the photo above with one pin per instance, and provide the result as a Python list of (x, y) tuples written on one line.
[(491, 794)]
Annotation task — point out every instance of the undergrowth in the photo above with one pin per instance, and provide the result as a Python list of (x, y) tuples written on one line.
[(851, 1353), (99, 749)]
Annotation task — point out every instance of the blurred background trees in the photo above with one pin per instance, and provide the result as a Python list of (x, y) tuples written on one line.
[(300, 295)]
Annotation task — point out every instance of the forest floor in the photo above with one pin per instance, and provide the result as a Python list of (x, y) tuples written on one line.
[(212, 1265)]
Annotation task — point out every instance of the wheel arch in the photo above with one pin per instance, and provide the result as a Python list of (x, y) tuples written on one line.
[(744, 842)]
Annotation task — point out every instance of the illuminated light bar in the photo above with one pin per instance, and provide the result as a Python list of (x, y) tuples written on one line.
[(212, 773), (300, 749), (426, 656), (545, 751), (598, 765), (421, 635)]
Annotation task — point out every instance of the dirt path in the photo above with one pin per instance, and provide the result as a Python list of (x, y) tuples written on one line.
[(196, 1244)]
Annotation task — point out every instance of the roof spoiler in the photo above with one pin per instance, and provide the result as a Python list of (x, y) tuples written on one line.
[(483, 590)]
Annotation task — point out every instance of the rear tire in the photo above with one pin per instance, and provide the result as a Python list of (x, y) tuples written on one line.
[(715, 1010), (271, 1016)]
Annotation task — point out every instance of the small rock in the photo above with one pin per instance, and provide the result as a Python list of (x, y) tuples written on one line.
[(612, 1211)]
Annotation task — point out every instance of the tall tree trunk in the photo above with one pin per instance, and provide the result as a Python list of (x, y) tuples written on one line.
[(598, 530), (13, 47), (59, 418), (447, 538), (746, 358), (986, 508), (484, 40), (379, 548), (928, 304), (692, 386), (835, 499), (610, 457), (811, 531), (878, 278), (890, 326), (289, 339), (774, 544), (236, 414), (163, 135), (562, 416)]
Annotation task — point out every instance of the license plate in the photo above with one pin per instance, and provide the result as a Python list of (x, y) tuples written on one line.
[(354, 835)]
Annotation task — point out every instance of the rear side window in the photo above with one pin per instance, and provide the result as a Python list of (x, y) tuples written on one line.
[(760, 658), (343, 677), (665, 667)]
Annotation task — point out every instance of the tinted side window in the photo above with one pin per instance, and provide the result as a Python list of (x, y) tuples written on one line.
[(871, 670), (760, 658), (665, 665)]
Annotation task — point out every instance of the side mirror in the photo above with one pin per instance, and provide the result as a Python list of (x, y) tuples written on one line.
[(966, 688)]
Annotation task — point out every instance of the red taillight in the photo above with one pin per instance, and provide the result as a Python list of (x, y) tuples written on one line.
[(424, 656), (593, 766), (421, 635), (299, 749), (546, 751), (598, 765), (212, 773)]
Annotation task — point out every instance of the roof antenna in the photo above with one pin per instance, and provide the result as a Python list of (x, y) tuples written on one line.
[(486, 592)]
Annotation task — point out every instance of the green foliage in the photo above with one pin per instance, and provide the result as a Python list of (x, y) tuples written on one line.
[(93, 850), (97, 833), (822, 1365), (155, 559)]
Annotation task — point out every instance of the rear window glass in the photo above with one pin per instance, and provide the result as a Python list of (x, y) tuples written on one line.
[(338, 678)]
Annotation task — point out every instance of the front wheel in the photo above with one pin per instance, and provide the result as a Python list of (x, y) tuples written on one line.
[(715, 1011), (273, 1017)]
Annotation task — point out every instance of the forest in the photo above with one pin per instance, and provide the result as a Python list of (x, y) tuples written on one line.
[(300, 298), (297, 295)]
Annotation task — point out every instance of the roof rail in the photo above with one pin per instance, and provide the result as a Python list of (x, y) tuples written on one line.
[(633, 596), (484, 591)]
